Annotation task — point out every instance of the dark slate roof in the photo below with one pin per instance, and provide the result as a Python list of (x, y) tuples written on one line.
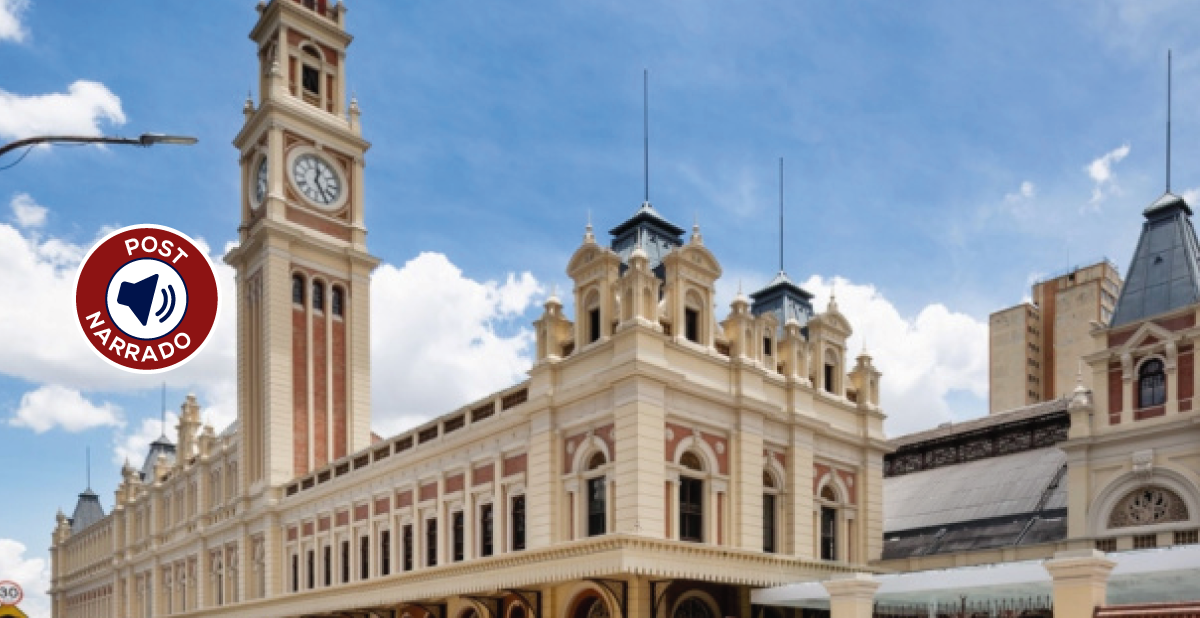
[(647, 228), (1164, 274), (87, 511), (785, 299), (161, 446), (998, 419), (1018, 499)]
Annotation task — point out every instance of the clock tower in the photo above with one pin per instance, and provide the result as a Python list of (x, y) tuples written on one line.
[(303, 270)]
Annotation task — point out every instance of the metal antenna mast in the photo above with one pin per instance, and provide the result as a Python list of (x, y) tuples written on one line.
[(163, 413), (88, 450), (646, 132), (780, 214), (1168, 121)]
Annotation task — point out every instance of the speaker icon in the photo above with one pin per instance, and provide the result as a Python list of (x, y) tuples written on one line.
[(138, 296)]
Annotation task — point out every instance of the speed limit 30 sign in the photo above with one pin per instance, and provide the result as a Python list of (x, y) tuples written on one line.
[(10, 593)]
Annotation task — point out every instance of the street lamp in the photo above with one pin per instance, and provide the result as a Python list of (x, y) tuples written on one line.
[(144, 140)]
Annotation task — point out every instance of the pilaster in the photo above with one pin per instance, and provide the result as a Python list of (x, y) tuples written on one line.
[(852, 595), (639, 415), (1080, 580)]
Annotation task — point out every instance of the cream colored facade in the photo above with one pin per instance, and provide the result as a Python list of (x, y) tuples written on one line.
[(656, 462), (1035, 348)]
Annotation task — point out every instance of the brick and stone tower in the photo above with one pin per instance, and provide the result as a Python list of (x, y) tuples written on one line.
[(303, 271)]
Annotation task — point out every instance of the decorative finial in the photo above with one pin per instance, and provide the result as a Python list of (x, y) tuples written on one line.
[(697, 238), (248, 107), (588, 236)]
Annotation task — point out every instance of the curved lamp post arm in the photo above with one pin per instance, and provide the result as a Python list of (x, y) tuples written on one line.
[(145, 139)]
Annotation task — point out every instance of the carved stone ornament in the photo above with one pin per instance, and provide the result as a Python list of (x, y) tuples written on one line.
[(1143, 464), (1146, 506), (720, 448), (670, 433)]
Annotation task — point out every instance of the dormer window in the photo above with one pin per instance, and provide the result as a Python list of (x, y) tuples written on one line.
[(767, 346), (829, 369), (1152, 384), (691, 324), (594, 325)]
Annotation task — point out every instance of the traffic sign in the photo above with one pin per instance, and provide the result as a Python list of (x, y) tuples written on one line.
[(10, 593)]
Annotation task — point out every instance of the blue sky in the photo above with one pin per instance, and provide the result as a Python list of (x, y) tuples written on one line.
[(939, 156)]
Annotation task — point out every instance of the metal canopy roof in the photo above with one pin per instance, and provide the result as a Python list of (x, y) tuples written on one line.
[(1164, 574), (1164, 274)]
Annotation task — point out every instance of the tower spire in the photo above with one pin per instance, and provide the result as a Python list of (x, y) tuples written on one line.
[(646, 134)]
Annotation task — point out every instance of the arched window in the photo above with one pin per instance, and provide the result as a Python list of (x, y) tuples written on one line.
[(593, 317), (597, 503), (691, 500), (1147, 506), (691, 317), (828, 524), (592, 607), (770, 492), (692, 607), (310, 75), (335, 299), (298, 289), (831, 372), (318, 296), (1152, 384)]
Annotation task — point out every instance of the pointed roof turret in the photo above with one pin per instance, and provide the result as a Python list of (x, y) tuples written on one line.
[(161, 446), (1164, 274), (656, 236), (785, 299), (87, 511)]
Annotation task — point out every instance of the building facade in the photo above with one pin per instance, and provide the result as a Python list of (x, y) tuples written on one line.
[(1035, 347), (658, 460)]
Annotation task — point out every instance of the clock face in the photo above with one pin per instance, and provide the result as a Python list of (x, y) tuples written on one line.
[(260, 183), (317, 180)]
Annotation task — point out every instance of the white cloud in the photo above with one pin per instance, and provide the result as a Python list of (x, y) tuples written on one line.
[(27, 212), (79, 111), (10, 20), (53, 406), (32, 574), (439, 339), (924, 358), (1100, 170), (1191, 195), (1026, 191)]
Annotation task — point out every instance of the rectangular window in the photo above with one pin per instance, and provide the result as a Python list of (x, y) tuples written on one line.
[(327, 559), (766, 346), (691, 325), (769, 523), (364, 557), (597, 514), (594, 325), (345, 561), (691, 510), (1145, 541), (518, 523), (1187, 537), (408, 547), (828, 533), (1106, 545), (311, 564), (311, 79), (457, 536), (385, 552), (431, 545), (485, 530), (829, 378), (295, 573)]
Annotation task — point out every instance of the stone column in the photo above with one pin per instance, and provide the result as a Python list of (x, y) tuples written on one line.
[(852, 595), (1080, 581)]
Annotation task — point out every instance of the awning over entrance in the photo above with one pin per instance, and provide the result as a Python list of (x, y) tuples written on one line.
[(1153, 575)]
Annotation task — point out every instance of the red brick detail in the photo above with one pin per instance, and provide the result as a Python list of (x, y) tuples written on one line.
[(292, 533), (720, 446), (306, 529), (403, 498), (679, 433), (1116, 393), (342, 518), (1150, 340), (779, 457), (483, 474), (338, 387), (819, 471), (428, 491), (361, 512), (299, 393), (1185, 405), (850, 481), (382, 505), (571, 444), (1187, 375), (454, 483), (1145, 413), (323, 524), (514, 465), (320, 390), (667, 506), (1177, 323)]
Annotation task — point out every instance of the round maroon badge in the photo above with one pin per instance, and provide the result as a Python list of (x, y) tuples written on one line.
[(146, 298)]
